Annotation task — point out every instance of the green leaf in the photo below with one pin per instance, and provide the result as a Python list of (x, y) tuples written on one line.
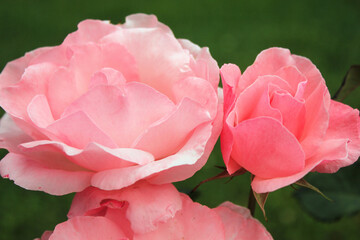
[(350, 83), (304, 183), (342, 187)]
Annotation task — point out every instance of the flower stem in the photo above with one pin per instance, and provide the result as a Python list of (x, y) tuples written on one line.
[(251, 202)]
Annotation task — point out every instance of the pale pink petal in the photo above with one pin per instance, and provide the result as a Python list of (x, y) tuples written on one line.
[(12, 72), (202, 64), (39, 111), (178, 125), (90, 31), (32, 175), (90, 58), (93, 157), (265, 148), (141, 20), (239, 224), (189, 154), (11, 135), (15, 98), (107, 76), (87, 228), (148, 205), (188, 170), (77, 130), (194, 221), (344, 124), (198, 90), (124, 106), (62, 91), (330, 150), (155, 69)]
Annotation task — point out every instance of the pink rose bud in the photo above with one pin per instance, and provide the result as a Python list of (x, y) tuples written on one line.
[(111, 105), (280, 122), (154, 212)]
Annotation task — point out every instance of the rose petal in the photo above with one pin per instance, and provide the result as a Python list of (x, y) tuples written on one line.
[(124, 106), (338, 150), (194, 221), (344, 124), (178, 125), (78, 130), (189, 154), (32, 175), (239, 224), (90, 31), (148, 205), (157, 70), (267, 149), (39, 111), (87, 228)]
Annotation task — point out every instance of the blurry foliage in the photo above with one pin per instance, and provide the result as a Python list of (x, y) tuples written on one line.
[(235, 31), (342, 187)]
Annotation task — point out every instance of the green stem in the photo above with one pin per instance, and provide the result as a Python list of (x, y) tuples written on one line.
[(251, 202)]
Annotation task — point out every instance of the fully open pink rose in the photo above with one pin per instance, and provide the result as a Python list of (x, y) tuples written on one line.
[(111, 105), (153, 212), (280, 122)]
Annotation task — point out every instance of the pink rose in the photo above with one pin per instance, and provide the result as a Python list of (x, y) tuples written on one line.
[(111, 105), (280, 122), (153, 212)]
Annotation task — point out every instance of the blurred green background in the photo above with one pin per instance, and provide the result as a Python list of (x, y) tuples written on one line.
[(327, 32)]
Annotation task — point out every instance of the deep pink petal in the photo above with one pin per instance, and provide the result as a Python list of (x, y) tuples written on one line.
[(268, 62), (255, 101), (344, 124), (87, 228), (32, 175), (293, 112), (179, 125), (239, 224), (230, 75), (267, 149), (330, 150)]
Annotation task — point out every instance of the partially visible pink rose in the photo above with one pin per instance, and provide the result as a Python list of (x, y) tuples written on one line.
[(111, 105), (153, 212), (280, 122)]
